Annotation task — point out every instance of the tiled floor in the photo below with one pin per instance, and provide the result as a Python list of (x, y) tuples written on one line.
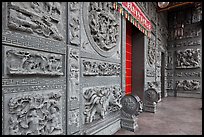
[(174, 116)]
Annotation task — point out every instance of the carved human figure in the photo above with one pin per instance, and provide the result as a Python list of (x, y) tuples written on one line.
[(34, 121), (54, 117)]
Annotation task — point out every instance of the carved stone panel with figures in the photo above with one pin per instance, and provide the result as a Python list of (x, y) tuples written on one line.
[(22, 61), (102, 26), (38, 18), (74, 23), (189, 58), (100, 68), (37, 113), (187, 85), (101, 100)]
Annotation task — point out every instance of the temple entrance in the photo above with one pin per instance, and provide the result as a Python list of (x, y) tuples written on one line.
[(134, 60)]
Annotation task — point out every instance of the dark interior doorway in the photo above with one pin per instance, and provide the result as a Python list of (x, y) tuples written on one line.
[(134, 60)]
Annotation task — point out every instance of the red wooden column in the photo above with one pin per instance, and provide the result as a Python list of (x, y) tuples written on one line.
[(128, 58)]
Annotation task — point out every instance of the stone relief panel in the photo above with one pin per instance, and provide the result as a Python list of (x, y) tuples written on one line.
[(28, 41), (34, 113), (170, 60), (74, 23), (151, 52), (73, 121), (170, 74), (23, 61), (188, 74), (39, 18), (102, 27), (101, 100), (190, 42), (188, 85), (188, 58), (150, 73), (73, 69), (100, 68), (169, 84)]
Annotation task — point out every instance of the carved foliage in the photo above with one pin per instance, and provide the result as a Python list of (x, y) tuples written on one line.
[(41, 18), (98, 68), (35, 114), (100, 100), (188, 85), (32, 62), (188, 58), (74, 23)]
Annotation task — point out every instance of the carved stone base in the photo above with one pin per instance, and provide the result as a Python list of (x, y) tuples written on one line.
[(129, 123), (150, 107)]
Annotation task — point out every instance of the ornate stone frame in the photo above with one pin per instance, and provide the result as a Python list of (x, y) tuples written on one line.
[(90, 38)]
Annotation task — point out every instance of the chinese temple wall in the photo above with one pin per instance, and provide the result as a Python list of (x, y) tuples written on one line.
[(184, 52), (63, 66)]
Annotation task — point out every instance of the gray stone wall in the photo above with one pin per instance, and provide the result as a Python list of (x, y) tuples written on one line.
[(63, 66), (184, 52)]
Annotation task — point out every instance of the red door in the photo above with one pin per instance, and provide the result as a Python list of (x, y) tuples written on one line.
[(128, 58)]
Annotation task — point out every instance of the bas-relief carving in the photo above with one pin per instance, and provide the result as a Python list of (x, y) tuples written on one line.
[(151, 52), (170, 60), (131, 107), (35, 114), (150, 73), (102, 27), (99, 68), (74, 22), (188, 43), (32, 62), (188, 85), (188, 58), (188, 74), (74, 73), (101, 100), (169, 84), (73, 121), (170, 74), (41, 18)]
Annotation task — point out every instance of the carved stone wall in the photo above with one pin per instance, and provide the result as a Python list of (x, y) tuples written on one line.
[(73, 67), (100, 67), (33, 74), (185, 50)]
